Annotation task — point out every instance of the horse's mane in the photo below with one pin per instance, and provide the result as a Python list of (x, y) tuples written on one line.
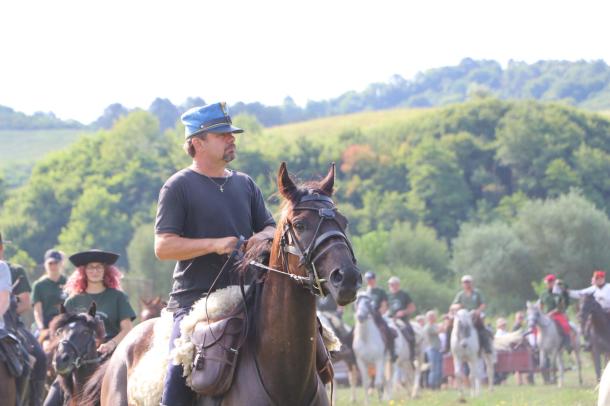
[(92, 390)]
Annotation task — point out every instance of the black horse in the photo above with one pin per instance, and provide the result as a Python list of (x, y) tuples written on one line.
[(76, 337), (595, 320)]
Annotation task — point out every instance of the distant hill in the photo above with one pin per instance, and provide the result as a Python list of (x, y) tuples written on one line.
[(15, 120), (584, 84)]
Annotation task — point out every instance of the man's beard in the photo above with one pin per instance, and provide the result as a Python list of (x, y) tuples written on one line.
[(228, 156)]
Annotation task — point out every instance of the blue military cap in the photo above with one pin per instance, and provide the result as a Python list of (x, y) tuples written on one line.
[(213, 118)]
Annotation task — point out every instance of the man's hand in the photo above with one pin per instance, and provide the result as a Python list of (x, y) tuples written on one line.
[(225, 245)]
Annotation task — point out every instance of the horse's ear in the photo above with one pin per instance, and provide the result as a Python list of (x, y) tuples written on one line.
[(327, 184), (285, 185), (62, 309), (92, 309)]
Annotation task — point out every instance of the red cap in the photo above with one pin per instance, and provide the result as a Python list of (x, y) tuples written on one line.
[(599, 274), (550, 278)]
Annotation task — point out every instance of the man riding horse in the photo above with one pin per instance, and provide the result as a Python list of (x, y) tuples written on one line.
[(20, 304), (599, 289), (380, 303), (470, 298), (555, 301), (202, 212), (401, 307)]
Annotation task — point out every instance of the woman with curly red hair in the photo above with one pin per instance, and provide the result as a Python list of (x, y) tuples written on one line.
[(96, 279)]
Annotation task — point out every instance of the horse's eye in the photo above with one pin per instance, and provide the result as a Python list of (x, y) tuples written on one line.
[(300, 226), (59, 331)]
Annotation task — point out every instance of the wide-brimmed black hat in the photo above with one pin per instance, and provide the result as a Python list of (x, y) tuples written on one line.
[(86, 257)]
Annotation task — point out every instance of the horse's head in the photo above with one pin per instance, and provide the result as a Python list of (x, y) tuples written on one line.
[(152, 308), (313, 236), (533, 314), (77, 336), (364, 307)]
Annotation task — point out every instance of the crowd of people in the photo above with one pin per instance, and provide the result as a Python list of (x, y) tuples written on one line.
[(397, 303)]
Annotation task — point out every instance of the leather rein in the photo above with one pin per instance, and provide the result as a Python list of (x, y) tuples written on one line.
[(81, 358)]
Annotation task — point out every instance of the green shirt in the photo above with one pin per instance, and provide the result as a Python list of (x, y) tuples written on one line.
[(112, 307), (50, 294), (378, 295), (551, 301), (398, 301), (469, 302)]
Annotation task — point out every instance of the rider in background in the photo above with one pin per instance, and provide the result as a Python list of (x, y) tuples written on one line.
[(555, 301), (380, 302), (5, 290), (599, 289), (470, 298), (21, 303), (401, 307), (96, 279), (47, 292)]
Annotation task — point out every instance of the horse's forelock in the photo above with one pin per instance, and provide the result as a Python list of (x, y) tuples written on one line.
[(91, 322)]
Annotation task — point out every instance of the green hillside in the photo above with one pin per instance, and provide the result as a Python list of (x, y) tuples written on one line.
[(22, 148)]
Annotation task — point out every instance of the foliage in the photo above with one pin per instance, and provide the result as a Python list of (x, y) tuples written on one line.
[(14, 120), (143, 263)]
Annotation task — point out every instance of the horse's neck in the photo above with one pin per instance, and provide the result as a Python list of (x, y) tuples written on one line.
[(76, 381), (368, 331), (287, 335)]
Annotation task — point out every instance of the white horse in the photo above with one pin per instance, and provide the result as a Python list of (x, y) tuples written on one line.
[(369, 347), (549, 342), (404, 372), (465, 348)]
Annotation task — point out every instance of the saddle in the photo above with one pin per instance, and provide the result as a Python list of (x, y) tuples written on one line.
[(13, 354)]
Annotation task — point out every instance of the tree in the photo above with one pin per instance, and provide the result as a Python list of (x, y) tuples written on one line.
[(111, 114), (96, 222), (559, 178), (144, 264), (567, 236), (499, 262), (166, 113), (439, 195)]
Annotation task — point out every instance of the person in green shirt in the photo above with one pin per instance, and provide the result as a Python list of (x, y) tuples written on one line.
[(401, 307), (470, 298), (379, 296), (96, 279), (555, 301), (47, 292)]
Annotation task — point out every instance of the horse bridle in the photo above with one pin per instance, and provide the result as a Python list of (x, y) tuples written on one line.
[(308, 255), (81, 358)]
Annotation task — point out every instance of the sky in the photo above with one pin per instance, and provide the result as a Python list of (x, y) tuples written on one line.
[(75, 57)]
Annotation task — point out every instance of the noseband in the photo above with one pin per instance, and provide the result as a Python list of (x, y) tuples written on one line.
[(308, 255)]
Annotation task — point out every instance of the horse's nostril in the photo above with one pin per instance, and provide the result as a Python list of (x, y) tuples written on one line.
[(336, 277)]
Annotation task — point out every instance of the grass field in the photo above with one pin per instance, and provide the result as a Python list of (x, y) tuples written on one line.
[(507, 394)]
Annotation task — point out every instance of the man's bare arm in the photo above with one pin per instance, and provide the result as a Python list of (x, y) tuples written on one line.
[(173, 247), (38, 315)]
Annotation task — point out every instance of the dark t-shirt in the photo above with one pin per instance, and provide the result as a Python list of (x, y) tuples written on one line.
[(18, 274), (469, 302), (50, 294), (112, 306), (398, 301), (378, 295), (192, 206)]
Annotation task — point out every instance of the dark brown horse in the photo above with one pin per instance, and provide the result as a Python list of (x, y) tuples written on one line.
[(592, 312), (75, 359), (277, 365), (151, 308), (8, 386)]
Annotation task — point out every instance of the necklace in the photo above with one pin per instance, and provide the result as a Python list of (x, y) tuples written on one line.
[(220, 186)]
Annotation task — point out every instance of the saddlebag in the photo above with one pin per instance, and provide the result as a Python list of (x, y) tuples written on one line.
[(12, 353), (217, 345)]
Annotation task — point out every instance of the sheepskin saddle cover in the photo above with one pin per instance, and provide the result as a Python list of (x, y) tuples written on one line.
[(145, 385)]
